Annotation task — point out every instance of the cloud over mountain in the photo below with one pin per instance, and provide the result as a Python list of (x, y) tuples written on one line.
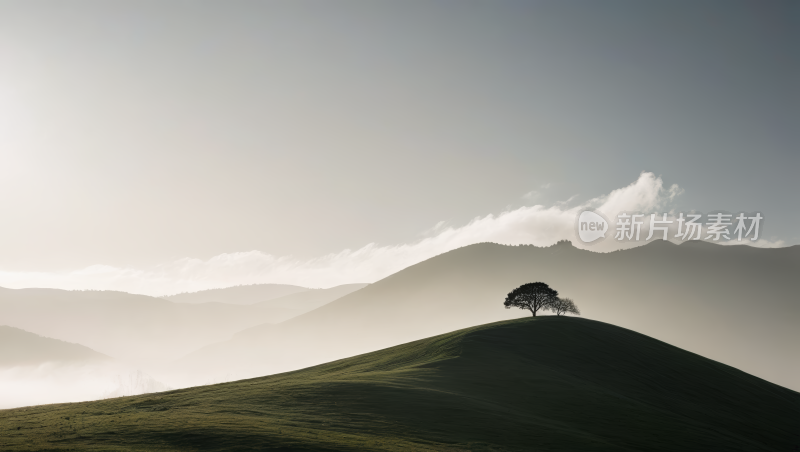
[(538, 225)]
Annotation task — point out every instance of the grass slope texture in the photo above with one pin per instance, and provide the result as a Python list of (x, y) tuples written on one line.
[(21, 348), (544, 384)]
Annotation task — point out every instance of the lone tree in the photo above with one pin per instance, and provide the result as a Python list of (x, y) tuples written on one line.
[(563, 306), (532, 296)]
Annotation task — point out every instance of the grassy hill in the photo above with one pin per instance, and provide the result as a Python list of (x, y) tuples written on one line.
[(733, 304), (21, 348), (550, 384)]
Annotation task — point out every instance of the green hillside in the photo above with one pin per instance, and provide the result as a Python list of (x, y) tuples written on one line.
[(530, 384)]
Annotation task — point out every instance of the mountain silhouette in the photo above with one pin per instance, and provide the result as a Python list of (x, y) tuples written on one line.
[(21, 348), (311, 298), (243, 295)]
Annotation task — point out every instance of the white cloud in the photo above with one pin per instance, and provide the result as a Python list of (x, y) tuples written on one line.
[(537, 225)]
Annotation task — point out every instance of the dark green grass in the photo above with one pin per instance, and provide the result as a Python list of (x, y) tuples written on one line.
[(531, 384)]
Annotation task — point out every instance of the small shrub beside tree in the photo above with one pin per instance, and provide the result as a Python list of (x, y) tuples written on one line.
[(563, 306)]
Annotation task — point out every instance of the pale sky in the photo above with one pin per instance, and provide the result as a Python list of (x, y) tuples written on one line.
[(142, 139)]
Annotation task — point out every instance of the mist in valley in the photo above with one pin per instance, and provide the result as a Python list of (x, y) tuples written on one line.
[(112, 344)]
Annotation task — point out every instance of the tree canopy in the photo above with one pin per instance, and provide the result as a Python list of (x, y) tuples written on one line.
[(531, 296)]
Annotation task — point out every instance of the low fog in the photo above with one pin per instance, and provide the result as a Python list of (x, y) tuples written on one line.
[(37, 370), (58, 382)]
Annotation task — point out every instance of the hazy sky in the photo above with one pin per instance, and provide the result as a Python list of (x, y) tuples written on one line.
[(138, 134)]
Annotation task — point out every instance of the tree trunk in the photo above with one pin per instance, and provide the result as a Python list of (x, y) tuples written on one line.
[(533, 312)]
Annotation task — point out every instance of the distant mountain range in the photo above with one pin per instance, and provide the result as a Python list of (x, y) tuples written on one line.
[(734, 304), (146, 331), (550, 383), (244, 295), (21, 348), (310, 299)]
